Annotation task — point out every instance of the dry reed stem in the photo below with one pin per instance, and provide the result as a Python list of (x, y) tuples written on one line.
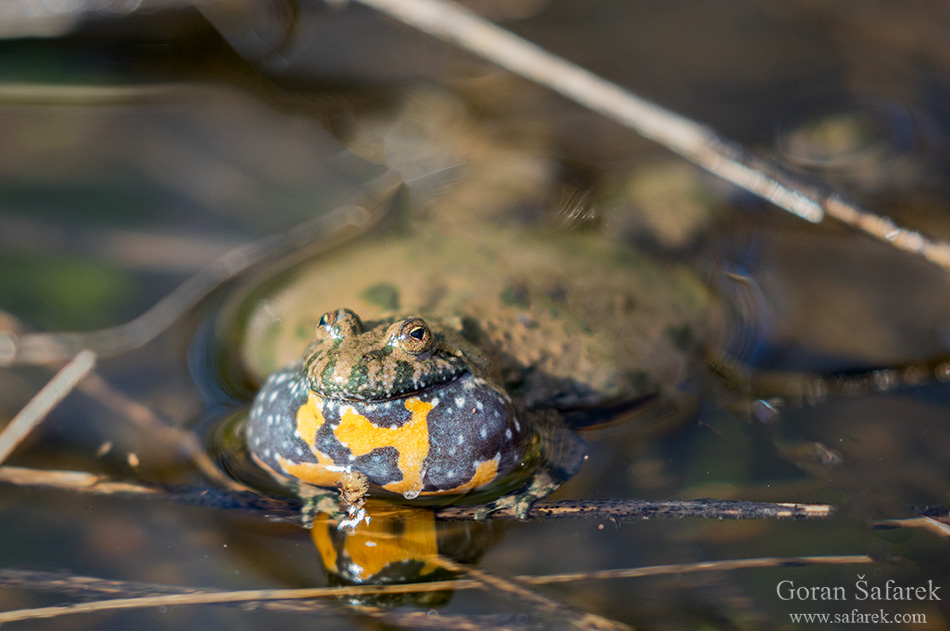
[(263, 595), (45, 400), (697, 143), (575, 617)]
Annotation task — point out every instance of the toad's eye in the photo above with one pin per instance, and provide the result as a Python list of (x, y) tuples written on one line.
[(415, 336), (338, 324), (327, 320)]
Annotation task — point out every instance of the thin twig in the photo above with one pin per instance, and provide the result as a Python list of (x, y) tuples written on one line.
[(289, 510), (146, 420), (88, 588), (45, 400), (77, 481), (72, 95), (699, 566), (576, 617), (927, 523), (698, 143), (81, 585), (933, 518), (343, 222), (95, 484), (198, 596)]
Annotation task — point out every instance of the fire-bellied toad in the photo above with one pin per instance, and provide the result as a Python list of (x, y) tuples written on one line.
[(442, 363)]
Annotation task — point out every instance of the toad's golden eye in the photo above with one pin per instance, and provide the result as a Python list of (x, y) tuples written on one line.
[(415, 336), (339, 323), (327, 320), (326, 325)]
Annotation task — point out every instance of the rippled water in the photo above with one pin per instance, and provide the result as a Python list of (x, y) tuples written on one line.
[(108, 204)]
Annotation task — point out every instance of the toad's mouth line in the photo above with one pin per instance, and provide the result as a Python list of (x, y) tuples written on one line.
[(334, 395)]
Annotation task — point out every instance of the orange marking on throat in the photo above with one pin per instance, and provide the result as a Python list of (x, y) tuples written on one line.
[(411, 442), (315, 473), (324, 472), (310, 419), (486, 472)]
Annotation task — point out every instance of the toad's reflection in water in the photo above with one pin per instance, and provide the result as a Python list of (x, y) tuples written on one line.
[(396, 545)]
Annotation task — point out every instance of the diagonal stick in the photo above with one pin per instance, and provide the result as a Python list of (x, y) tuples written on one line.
[(45, 400), (697, 143)]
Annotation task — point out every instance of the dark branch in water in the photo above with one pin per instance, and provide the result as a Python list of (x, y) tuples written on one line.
[(799, 387), (624, 509), (288, 510)]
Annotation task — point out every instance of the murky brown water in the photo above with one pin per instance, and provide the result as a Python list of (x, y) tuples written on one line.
[(108, 202)]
